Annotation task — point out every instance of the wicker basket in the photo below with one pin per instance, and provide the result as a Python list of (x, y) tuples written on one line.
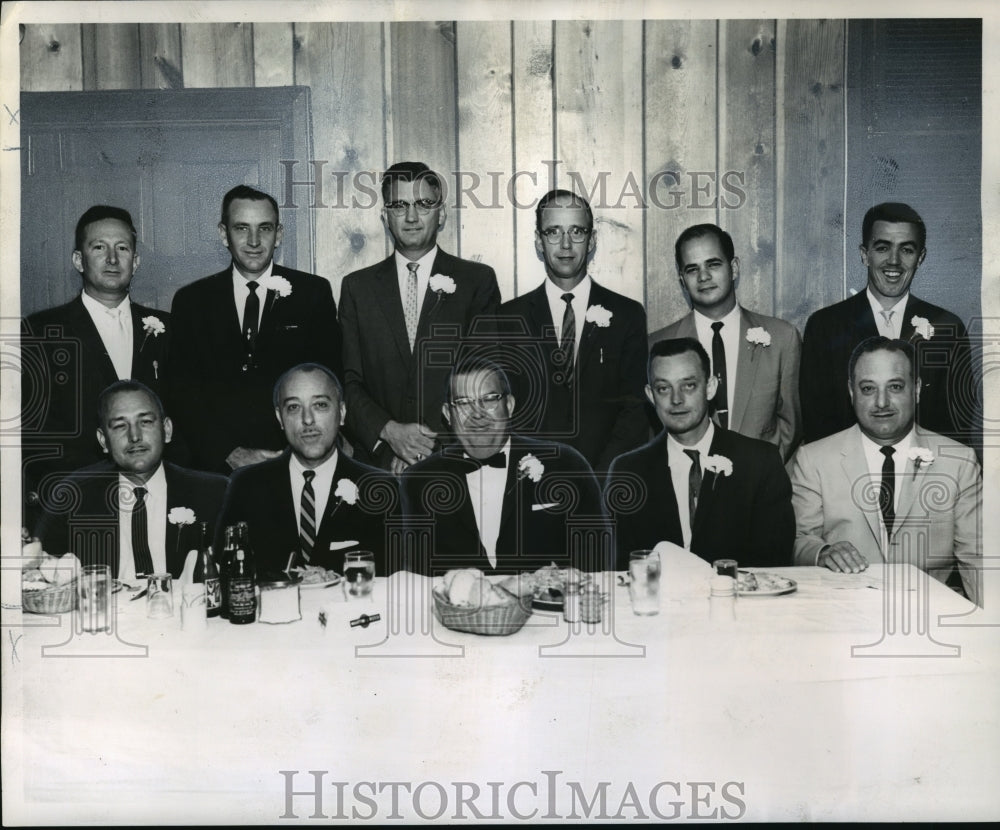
[(493, 620), (54, 600)]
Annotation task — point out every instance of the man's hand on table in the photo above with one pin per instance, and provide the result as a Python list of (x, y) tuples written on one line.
[(842, 557)]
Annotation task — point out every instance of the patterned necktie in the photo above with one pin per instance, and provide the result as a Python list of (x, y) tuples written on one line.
[(307, 515), (887, 489), (410, 306), (694, 484), (890, 327), (251, 311), (719, 367), (140, 535), (567, 337)]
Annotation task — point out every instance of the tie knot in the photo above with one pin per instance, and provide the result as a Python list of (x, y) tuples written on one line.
[(412, 268), (567, 297), (716, 327), (140, 493), (309, 475), (693, 455), (498, 460), (252, 286), (888, 452)]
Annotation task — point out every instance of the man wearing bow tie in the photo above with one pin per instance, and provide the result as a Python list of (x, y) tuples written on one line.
[(400, 316), (237, 331), (883, 491), (312, 503), (72, 352), (715, 492), (582, 346), (498, 501), (133, 512)]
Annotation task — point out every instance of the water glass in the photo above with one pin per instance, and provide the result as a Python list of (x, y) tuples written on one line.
[(94, 595), (159, 596), (359, 574), (644, 587)]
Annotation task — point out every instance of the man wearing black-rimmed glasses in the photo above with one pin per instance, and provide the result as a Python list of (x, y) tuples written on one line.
[(401, 318), (581, 371), (496, 500)]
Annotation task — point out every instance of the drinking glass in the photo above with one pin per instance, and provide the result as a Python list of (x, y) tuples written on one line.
[(159, 596), (193, 607), (644, 587), (94, 594), (359, 574), (726, 567)]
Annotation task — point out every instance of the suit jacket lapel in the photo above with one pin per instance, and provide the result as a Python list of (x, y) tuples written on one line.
[(747, 362), (387, 299), (852, 462), (661, 482), (432, 299), (589, 337), (710, 482), (90, 340), (686, 327), (512, 487), (909, 484)]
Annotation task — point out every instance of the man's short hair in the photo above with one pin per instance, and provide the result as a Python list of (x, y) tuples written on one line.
[(244, 191), (96, 214), (557, 196), (121, 386), (697, 232), (409, 171), (479, 363), (879, 343), (892, 212), (673, 348), (306, 368)]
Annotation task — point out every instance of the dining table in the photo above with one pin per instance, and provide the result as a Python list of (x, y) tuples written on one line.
[(867, 696)]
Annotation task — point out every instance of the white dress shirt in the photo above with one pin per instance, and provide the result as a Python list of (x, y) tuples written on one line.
[(486, 492), (241, 293), (156, 524), (680, 468), (322, 486), (730, 334), (892, 327), (557, 306), (424, 266), (874, 460), (114, 325)]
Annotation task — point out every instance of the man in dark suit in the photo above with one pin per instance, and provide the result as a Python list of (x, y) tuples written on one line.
[(498, 501), (312, 504), (581, 347), (403, 322), (71, 352), (134, 512), (893, 247), (755, 357), (237, 331), (715, 492)]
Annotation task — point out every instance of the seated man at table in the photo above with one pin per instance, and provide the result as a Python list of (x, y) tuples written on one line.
[(884, 491), (498, 501), (312, 504), (134, 512), (715, 492)]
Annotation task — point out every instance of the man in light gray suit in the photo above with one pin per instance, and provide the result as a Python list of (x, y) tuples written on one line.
[(755, 357)]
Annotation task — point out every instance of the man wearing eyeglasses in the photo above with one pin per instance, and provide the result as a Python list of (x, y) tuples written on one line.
[(398, 316), (496, 500), (582, 346)]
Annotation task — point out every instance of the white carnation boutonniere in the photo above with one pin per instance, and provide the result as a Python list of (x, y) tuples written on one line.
[(921, 328), (718, 464), (441, 284), (347, 491), (152, 325), (279, 285), (759, 336), (599, 316), (530, 467), (181, 516), (921, 457)]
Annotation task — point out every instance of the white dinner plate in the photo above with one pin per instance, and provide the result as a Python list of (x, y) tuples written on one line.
[(768, 585), (305, 586)]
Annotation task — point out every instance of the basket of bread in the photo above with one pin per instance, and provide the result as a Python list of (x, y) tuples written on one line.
[(50, 588), (465, 600)]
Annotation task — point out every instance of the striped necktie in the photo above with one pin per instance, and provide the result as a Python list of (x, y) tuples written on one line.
[(307, 515), (140, 534)]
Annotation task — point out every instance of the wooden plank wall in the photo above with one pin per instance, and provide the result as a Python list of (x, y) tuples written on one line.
[(665, 123)]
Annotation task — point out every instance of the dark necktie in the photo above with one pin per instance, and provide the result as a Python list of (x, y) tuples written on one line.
[(694, 483), (719, 368), (140, 535), (496, 460), (887, 489), (251, 311), (567, 338), (307, 515)]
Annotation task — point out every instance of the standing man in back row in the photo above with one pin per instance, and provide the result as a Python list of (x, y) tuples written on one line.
[(754, 357), (404, 320), (237, 331)]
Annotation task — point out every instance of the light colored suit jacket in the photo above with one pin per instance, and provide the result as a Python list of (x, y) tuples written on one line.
[(939, 511), (766, 398)]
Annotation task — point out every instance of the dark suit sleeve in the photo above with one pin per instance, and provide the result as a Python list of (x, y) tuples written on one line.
[(324, 335), (814, 386), (485, 303), (631, 427), (233, 509), (591, 505), (772, 530)]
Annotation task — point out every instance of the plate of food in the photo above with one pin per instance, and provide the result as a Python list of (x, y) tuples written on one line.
[(764, 584), (315, 576)]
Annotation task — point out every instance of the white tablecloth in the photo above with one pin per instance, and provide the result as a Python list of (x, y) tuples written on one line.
[(809, 707)]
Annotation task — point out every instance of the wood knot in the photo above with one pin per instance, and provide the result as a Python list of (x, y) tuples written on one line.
[(675, 62), (54, 45), (357, 241)]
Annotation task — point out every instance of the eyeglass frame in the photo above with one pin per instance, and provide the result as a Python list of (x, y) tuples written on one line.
[(550, 234), (486, 403), (399, 207)]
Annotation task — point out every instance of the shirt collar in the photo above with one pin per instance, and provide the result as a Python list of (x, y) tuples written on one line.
[(504, 449), (240, 282), (326, 468), (730, 322), (95, 307), (426, 262), (899, 306), (580, 292), (156, 485), (703, 446), (902, 447)]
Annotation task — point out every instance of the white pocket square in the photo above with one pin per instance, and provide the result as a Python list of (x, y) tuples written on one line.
[(347, 543), (545, 506)]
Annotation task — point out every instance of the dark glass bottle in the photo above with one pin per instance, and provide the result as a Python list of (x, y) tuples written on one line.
[(225, 568), (207, 571), (242, 596)]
